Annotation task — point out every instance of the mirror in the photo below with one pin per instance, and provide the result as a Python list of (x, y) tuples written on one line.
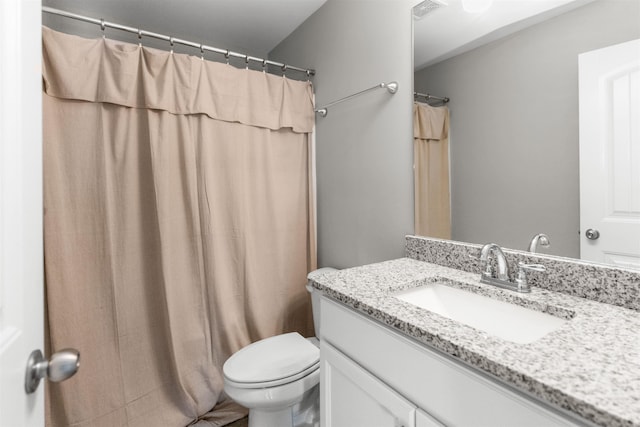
[(511, 74)]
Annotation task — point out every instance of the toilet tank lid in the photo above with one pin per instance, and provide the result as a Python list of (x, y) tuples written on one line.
[(271, 359)]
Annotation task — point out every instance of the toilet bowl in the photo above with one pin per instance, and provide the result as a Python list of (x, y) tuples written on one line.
[(277, 378)]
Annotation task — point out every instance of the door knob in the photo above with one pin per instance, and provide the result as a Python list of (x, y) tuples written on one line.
[(61, 366), (592, 234)]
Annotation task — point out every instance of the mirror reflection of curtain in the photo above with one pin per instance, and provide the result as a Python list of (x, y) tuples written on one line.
[(178, 226), (431, 170)]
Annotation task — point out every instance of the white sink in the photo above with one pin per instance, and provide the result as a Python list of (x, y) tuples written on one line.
[(502, 319)]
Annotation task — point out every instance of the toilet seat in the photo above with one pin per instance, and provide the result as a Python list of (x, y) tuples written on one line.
[(274, 383), (271, 362)]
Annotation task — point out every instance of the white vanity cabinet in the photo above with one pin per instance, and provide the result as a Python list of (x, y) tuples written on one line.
[(375, 376)]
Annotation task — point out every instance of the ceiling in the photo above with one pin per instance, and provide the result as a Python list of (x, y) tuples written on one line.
[(247, 26), (255, 27), (449, 30)]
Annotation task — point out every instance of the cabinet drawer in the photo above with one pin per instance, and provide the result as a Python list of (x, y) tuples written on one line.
[(451, 392)]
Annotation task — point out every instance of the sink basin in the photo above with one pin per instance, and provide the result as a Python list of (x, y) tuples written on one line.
[(502, 319)]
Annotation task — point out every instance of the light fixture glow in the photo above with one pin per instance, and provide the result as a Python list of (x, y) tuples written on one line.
[(476, 6), (425, 7)]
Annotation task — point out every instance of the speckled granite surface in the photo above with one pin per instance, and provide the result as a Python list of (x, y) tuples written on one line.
[(590, 366), (597, 282)]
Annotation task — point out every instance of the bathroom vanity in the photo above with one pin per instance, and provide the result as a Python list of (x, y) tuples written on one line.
[(388, 362), (371, 374)]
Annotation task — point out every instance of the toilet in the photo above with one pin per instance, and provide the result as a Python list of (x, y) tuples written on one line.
[(277, 378)]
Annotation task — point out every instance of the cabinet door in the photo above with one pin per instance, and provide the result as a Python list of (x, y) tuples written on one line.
[(425, 420), (351, 396)]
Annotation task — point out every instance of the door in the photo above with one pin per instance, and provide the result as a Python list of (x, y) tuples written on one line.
[(21, 265), (610, 154), (351, 396), (424, 419)]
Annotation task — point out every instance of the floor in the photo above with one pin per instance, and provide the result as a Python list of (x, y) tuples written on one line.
[(240, 423)]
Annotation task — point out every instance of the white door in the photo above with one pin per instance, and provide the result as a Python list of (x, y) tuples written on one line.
[(351, 396), (21, 265), (424, 419), (610, 155)]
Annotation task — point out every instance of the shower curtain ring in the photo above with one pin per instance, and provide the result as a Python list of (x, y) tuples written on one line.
[(201, 52), (246, 62), (226, 55), (264, 65), (140, 38), (284, 70), (102, 27), (308, 75), (171, 43)]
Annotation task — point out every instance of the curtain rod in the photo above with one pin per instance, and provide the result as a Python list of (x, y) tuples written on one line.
[(392, 87), (427, 97), (202, 47)]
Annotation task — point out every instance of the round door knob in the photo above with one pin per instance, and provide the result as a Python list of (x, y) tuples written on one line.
[(592, 234), (62, 365)]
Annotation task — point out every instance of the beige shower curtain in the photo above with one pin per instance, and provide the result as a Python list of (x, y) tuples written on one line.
[(431, 171), (177, 226)]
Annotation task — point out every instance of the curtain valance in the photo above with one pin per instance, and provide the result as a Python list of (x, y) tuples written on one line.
[(430, 123), (139, 77)]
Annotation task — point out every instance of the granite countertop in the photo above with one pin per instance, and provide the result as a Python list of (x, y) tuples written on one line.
[(590, 366)]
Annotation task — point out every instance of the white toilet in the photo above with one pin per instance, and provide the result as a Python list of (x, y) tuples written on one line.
[(277, 378)]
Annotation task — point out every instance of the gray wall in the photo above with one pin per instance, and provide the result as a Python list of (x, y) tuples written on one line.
[(364, 151), (514, 126)]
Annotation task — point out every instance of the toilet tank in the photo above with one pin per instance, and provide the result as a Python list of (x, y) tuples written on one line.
[(315, 296)]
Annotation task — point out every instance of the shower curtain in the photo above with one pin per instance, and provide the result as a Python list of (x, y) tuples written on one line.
[(431, 171), (178, 226)]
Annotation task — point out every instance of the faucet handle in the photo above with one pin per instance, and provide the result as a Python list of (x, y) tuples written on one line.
[(521, 277), (488, 268)]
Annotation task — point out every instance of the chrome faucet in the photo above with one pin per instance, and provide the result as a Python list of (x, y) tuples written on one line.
[(503, 265), (539, 239), (502, 279)]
